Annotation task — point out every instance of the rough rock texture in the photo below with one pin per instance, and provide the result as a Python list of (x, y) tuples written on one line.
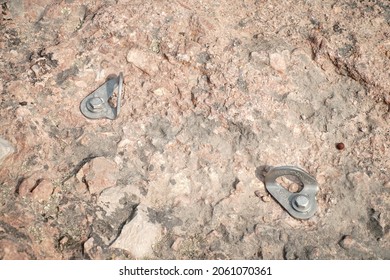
[(98, 175), (5, 149), (215, 93), (139, 235)]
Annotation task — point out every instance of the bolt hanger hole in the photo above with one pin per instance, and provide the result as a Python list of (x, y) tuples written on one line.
[(290, 183), (113, 100)]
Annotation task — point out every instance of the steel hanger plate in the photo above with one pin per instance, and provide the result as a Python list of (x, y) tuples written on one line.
[(300, 205), (97, 106)]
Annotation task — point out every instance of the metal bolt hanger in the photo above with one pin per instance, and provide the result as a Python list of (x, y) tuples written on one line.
[(301, 205), (97, 106)]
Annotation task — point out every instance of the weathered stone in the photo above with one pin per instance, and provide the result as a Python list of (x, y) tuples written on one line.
[(139, 235), (294, 187), (277, 62), (144, 60), (5, 149), (260, 59), (347, 242), (114, 199), (213, 96), (359, 180), (12, 251), (161, 92), (17, 7), (43, 191), (258, 193), (92, 250), (28, 184), (266, 198), (88, 245), (99, 174), (177, 243)]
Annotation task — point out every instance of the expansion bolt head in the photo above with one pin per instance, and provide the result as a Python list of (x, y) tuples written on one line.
[(301, 203), (95, 104)]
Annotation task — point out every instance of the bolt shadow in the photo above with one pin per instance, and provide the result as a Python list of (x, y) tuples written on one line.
[(261, 171), (111, 76)]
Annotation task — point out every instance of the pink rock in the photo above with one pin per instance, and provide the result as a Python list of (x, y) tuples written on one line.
[(146, 61), (277, 62), (99, 174), (11, 251), (140, 235), (27, 185), (43, 191)]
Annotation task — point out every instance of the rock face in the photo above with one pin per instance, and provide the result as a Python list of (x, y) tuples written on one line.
[(144, 60), (43, 191), (5, 149), (99, 174), (215, 93), (140, 235)]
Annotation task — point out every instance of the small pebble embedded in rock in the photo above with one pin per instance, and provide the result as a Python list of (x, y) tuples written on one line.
[(265, 198), (347, 242), (340, 146)]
